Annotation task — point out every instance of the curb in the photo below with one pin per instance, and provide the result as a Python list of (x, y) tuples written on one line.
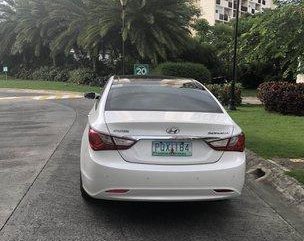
[(274, 174)]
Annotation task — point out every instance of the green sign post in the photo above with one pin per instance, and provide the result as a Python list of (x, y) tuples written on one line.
[(5, 70), (141, 69)]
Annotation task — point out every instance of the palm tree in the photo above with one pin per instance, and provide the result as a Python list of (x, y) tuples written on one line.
[(77, 30), (44, 28), (30, 15), (8, 24), (153, 27), (157, 27), (71, 17), (21, 30)]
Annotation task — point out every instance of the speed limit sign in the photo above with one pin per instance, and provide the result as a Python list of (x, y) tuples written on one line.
[(141, 69)]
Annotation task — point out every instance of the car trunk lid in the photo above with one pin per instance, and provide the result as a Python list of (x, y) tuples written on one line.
[(151, 128)]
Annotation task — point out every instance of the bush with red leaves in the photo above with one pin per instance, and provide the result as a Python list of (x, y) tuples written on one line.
[(283, 97)]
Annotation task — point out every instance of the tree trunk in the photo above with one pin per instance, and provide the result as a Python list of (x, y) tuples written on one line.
[(54, 60), (94, 62)]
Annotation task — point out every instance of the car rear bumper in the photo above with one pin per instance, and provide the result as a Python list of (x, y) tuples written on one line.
[(105, 173)]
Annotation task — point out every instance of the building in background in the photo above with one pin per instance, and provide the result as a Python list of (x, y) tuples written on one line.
[(300, 78), (224, 10)]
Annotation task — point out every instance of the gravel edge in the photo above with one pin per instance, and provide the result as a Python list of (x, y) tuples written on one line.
[(290, 188)]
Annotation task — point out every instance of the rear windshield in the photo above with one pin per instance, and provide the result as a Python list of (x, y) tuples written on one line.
[(160, 98)]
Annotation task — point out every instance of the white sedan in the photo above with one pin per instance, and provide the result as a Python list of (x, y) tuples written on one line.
[(160, 139)]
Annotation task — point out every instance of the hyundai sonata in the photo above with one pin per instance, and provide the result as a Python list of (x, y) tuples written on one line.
[(160, 139)]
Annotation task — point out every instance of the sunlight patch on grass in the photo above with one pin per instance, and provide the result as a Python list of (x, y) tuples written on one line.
[(270, 134)]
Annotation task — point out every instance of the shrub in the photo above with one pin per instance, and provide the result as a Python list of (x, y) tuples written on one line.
[(187, 70), (282, 97), (24, 73), (82, 76), (43, 73), (222, 93), (48, 73), (62, 76)]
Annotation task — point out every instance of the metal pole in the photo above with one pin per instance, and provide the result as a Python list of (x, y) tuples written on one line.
[(123, 4), (232, 104)]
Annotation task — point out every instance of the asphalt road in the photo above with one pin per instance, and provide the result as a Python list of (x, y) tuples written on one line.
[(40, 198)]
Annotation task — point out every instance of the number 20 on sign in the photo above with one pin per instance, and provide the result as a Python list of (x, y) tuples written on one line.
[(141, 69)]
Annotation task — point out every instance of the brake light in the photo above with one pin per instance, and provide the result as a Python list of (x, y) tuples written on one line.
[(235, 143), (102, 142), (117, 191)]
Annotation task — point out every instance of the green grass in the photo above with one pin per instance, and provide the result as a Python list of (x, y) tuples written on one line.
[(297, 174), (45, 85), (269, 134), (249, 93)]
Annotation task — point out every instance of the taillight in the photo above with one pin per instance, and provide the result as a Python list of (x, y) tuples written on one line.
[(235, 143), (102, 142)]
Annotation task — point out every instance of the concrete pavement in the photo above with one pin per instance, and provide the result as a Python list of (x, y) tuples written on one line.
[(39, 156), (251, 101), (29, 134)]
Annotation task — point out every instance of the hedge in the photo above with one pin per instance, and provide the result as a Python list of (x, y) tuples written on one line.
[(187, 70), (82, 76), (24, 73), (282, 97), (222, 93), (50, 74)]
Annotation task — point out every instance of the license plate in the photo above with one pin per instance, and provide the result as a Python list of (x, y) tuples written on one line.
[(172, 148)]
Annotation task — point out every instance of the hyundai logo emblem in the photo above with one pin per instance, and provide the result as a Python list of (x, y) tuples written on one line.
[(173, 130)]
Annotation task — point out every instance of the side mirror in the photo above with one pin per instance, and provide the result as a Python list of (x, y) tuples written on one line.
[(91, 96)]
